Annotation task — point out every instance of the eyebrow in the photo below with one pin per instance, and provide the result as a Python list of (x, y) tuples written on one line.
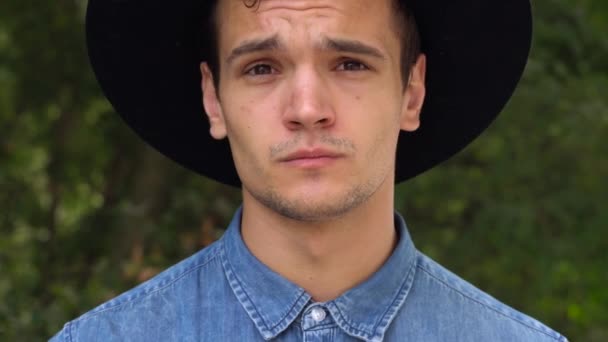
[(328, 44), (351, 46), (252, 46)]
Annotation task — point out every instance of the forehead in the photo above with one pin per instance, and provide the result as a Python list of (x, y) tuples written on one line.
[(298, 19), (320, 7)]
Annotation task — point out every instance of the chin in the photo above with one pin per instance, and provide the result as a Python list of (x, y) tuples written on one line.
[(312, 212), (313, 204)]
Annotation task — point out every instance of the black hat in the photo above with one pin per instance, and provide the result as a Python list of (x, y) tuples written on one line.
[(146, 56)]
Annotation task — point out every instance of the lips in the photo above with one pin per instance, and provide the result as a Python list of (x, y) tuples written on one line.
[(311, 158)]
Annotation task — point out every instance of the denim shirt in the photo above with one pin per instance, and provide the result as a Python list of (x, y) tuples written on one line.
[(223, 293)]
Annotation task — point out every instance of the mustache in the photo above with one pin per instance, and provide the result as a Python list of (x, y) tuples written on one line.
[(325, 141)]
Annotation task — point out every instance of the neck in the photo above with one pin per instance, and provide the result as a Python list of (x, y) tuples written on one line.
[(325, 258)]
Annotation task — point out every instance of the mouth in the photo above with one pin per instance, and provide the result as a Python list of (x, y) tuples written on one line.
[(311, 158)]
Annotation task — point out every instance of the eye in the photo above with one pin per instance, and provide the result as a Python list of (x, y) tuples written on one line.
[(351, 65), (260, 69)]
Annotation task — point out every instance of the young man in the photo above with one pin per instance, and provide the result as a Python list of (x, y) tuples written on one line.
[(313, 98)]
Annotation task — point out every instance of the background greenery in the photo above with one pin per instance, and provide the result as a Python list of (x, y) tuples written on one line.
[(87, 211)]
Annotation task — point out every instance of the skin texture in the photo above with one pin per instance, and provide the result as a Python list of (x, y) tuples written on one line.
[(306, 76)]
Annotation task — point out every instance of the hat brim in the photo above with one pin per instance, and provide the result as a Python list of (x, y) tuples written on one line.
[(146, 57)]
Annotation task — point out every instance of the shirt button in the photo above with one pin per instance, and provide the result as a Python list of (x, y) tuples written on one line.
[(317, 314)]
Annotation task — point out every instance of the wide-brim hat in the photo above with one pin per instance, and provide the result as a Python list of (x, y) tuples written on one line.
[(146, 57)]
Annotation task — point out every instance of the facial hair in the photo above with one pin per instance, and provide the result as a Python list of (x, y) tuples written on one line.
[(315, 210)]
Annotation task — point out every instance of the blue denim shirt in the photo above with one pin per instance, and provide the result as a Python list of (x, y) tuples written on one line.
[(223, 293)]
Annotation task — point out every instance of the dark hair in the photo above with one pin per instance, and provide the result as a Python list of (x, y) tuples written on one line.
[(407, 28), (405, 25)]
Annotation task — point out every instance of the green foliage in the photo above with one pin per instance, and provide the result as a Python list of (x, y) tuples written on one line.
[(88, 211)]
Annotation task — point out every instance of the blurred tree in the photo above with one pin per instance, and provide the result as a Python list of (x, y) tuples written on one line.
[(89, 211)]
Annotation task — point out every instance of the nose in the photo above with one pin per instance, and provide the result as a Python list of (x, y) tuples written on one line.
[(309, 105)]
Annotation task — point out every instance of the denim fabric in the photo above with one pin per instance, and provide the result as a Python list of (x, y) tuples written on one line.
[(223, 293)]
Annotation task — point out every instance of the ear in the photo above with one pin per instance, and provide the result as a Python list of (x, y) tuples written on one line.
[(212, 104), (413, 98)]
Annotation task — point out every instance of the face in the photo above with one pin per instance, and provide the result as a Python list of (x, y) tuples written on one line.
[(312, 102)]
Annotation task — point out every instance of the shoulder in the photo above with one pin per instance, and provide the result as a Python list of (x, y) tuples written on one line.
[(468, 307), (168, 291)]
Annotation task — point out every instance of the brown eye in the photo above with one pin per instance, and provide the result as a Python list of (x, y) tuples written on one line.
[(260, 69), (352, 66)]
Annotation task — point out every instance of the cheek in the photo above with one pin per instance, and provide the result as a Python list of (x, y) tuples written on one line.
[(249, 132), (381, 147), (374, 124)]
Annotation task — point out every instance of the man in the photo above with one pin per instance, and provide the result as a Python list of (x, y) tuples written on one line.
[(313, 98)]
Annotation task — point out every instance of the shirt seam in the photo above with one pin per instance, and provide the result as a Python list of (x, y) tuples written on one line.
[(151, 292), (324, 326), (401, 289), (224, 257), (371, 334), (293, 305), (269, 327), (69, 332), (487, 307)]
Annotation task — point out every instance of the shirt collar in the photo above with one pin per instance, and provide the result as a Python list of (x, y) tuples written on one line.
[(273, 303)]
